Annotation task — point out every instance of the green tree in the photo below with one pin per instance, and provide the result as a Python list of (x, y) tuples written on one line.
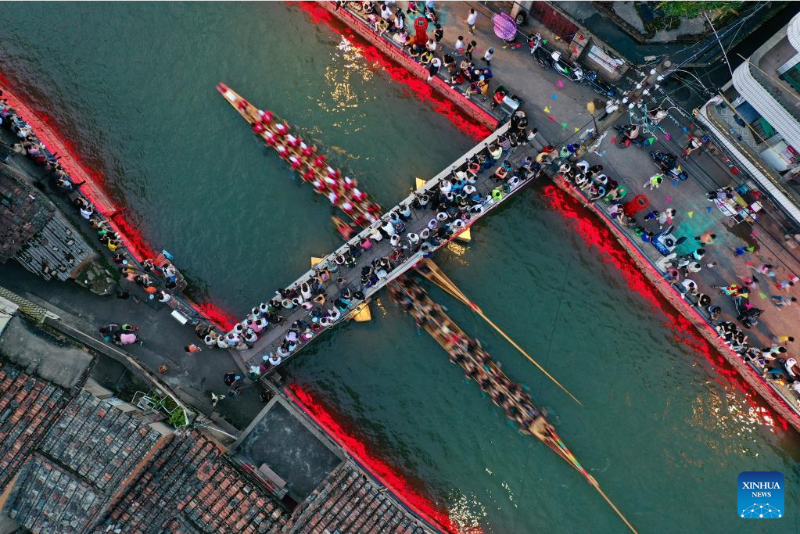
[(690, 10)]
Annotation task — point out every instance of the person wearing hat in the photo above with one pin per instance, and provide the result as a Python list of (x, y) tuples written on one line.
[(487, 57)]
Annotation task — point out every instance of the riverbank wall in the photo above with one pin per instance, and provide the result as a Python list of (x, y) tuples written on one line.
[(93, 188), (395, 53)]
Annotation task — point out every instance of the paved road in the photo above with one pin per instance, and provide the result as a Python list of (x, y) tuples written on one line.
[(193, 376)]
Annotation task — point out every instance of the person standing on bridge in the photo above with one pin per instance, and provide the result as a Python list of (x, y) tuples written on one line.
[(655, 181), (706, 238)]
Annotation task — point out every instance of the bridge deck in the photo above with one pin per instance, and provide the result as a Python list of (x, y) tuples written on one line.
[(271, 339)]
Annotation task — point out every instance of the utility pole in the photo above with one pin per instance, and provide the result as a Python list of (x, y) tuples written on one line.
[(650, 81)]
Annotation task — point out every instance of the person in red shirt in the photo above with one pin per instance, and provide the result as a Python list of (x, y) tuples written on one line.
[(499, 96)]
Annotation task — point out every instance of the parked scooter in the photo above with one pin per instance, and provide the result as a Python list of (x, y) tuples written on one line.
[(534, 41), (747, 314), (543, 57), (599, 86), (668, 163), (566, 68)]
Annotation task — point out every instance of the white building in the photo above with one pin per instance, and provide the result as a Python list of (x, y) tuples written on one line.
[(757, 118)]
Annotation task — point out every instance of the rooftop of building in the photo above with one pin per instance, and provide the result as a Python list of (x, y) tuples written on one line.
[(23, 213), (28, 406), (190, 485), (758, 81), (764, 68), (71, 461), (35, 233), (288, 448), (348, 501)]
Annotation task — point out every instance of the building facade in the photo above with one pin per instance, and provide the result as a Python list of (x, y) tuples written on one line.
[(757, 117)]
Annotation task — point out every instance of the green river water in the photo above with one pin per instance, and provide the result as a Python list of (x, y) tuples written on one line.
[(132, 85)]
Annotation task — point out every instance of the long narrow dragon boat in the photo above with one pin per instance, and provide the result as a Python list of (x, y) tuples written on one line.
[(479, 366), (342, 191)]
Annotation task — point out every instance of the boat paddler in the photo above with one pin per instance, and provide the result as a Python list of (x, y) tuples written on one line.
[(265, 116), (308, 175), (541, 428)]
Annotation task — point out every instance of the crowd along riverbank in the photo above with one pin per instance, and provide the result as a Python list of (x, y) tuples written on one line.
[(779, 401)]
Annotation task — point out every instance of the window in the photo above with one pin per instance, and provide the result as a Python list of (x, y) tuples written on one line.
[(792, 77)]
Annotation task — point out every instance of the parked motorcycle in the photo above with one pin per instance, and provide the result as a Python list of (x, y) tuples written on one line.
[(747, 314), (566, 68), (599, 86), (668, 163), (534, 41), (543, 57), (629, 135)]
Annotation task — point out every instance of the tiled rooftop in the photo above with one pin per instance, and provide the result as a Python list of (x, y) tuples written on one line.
[(22, 214), (34, 233), (28, 406), (48, 498), (82, 465), (349, 502), (101, 444), (191, 476)]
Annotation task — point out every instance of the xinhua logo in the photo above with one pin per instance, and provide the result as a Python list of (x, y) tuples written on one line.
[(760, 495)]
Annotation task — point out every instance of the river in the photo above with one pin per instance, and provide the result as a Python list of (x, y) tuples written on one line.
[(665, 431)]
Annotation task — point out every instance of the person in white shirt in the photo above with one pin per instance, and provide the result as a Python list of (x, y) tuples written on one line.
[(471, 19), (487, 57), (689, 287), (459, 46)]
